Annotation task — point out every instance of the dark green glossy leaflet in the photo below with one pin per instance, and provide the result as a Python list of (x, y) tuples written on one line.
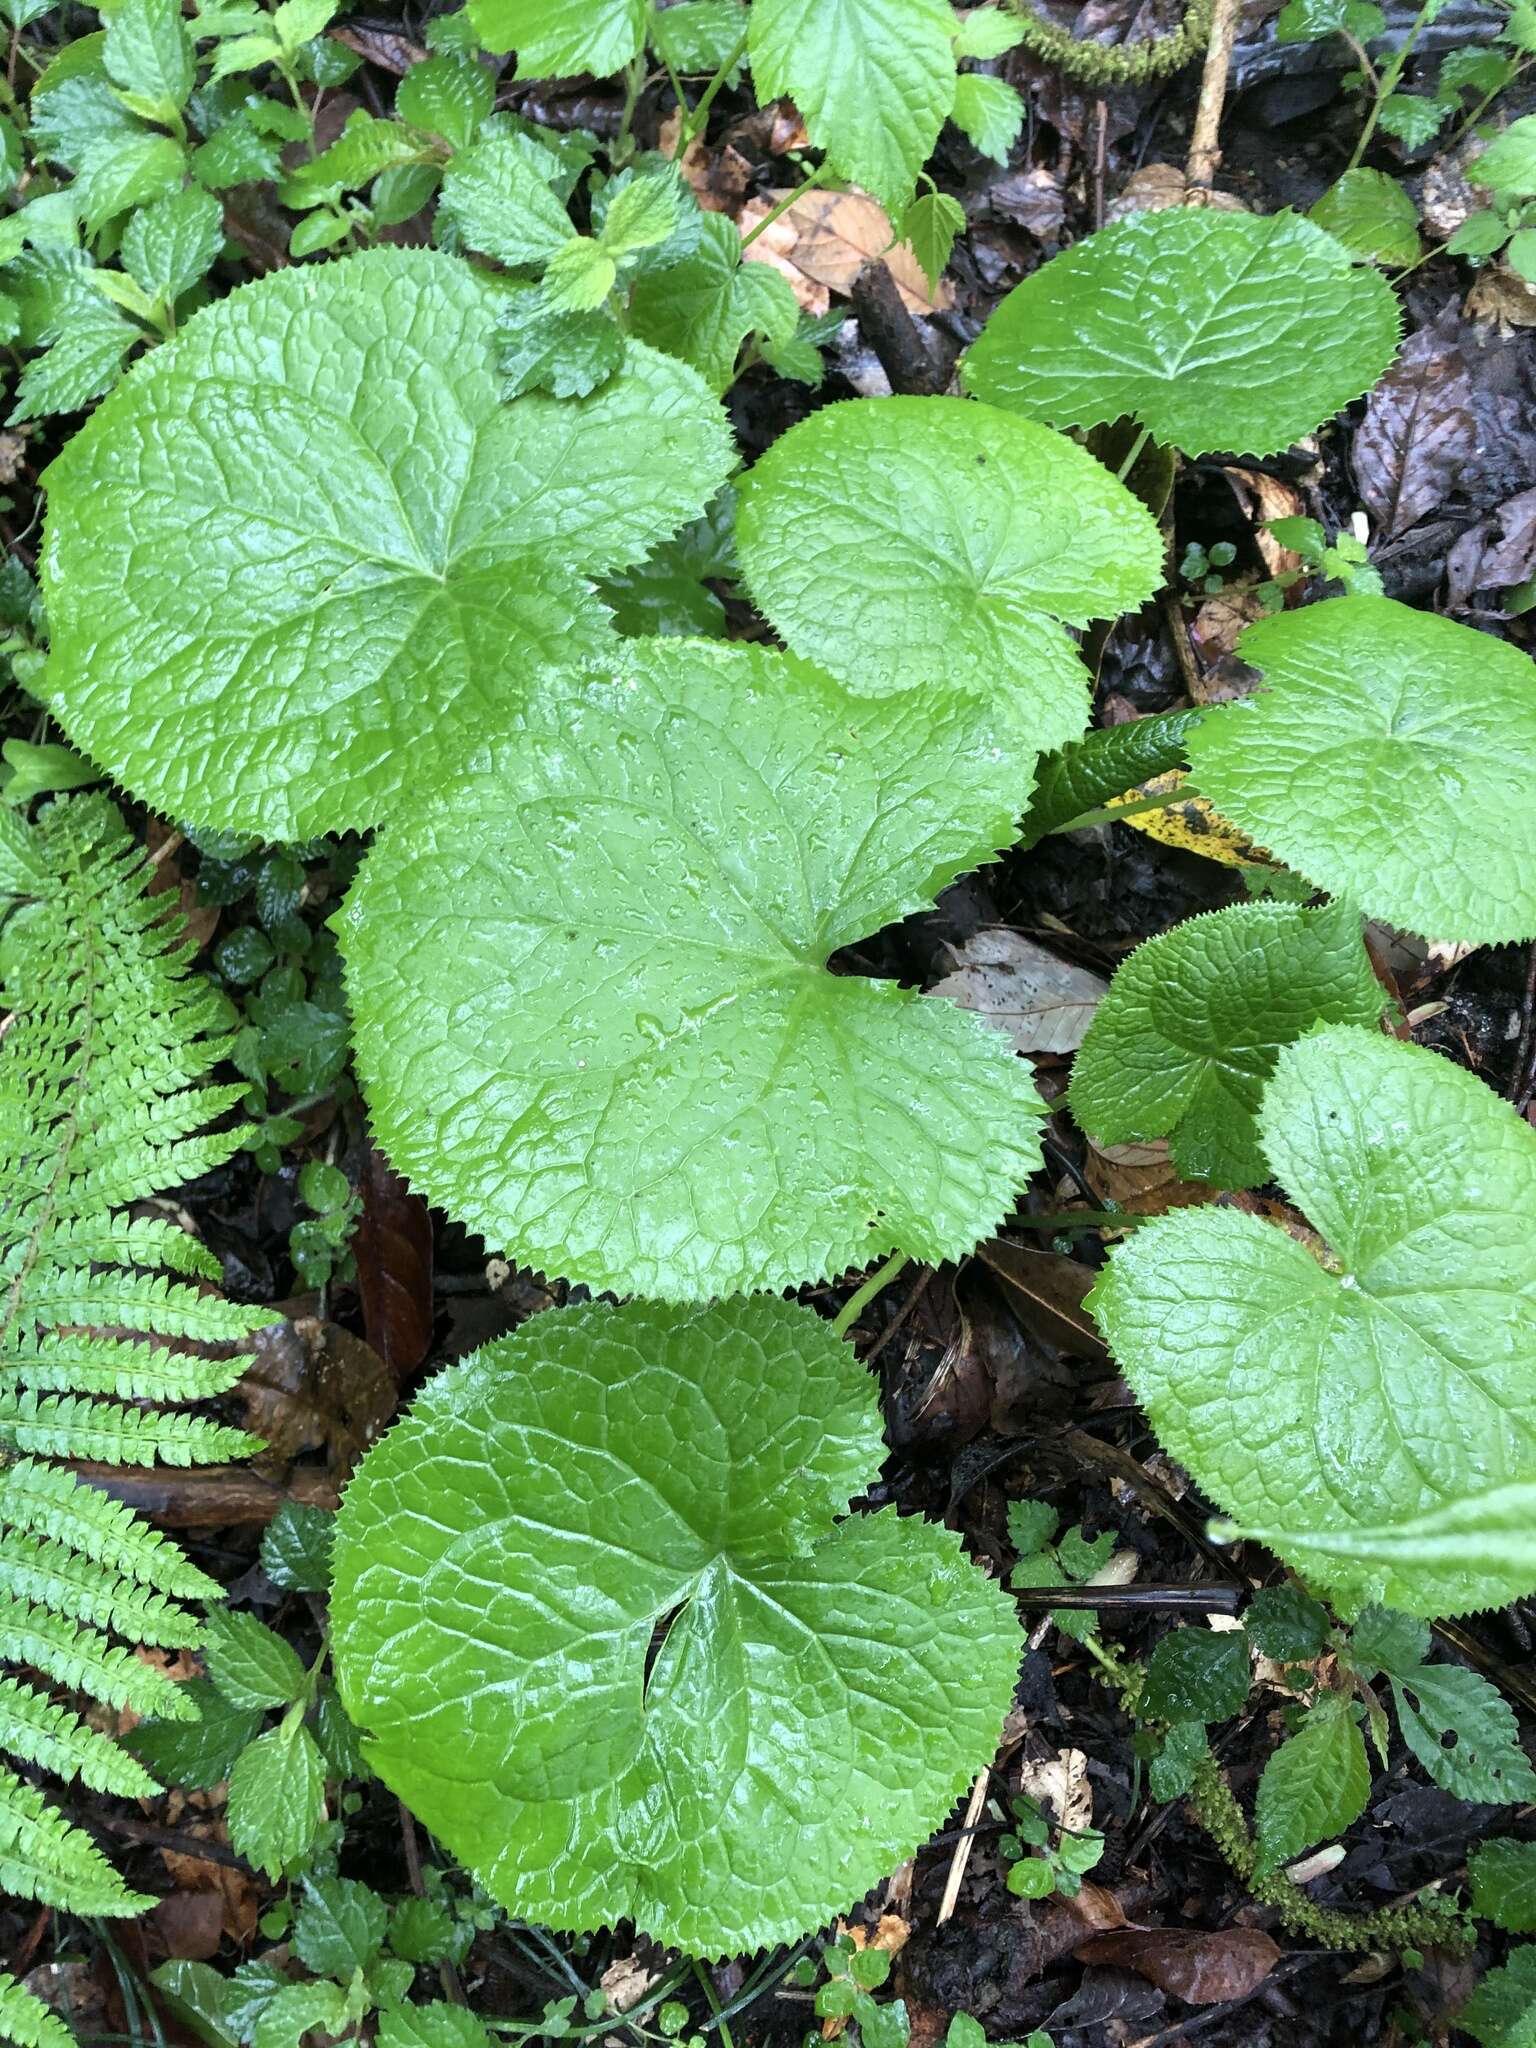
[(1329, 1400), (1189, 1032), (824, 1689), (305, 556), (1104, 764), (1213, 330), (593, 1013)]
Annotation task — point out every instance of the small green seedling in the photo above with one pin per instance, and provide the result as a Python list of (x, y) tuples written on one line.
[(318, 1245), (1044, 1860), (1343, 560)]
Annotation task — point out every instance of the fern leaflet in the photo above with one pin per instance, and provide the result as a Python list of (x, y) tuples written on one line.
[(103, 1103)]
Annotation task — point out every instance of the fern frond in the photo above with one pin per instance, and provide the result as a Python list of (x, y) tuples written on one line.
[(68, 1426), (41, 1732), (104, 1103), (56, 1504), (44, 1857), (85, 1364), (137, 1301), (84, 1660), (52, 1575), (26, 2021), (133, 1241)]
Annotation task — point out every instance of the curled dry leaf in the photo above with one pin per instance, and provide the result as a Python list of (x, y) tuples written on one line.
[(1502, 299), (1497, 553), (1141, 1178), (393, 1250), (1041, 1002), (1045, 1290), (1264, 498), (1200, 1968), (1061, 1783), (1451, 420), (824, 240)]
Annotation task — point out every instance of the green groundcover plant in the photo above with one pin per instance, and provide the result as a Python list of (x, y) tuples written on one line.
[(427, 543)]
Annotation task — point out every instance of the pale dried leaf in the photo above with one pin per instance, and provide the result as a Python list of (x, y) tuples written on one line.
[(1044, 1004)]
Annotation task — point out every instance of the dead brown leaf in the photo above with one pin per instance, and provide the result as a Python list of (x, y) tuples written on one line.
[(1264, 498), (312, 1386), (1061, 1783), (1031, 199), (1496, 553), (824, 240), (1046, 1290), (1200, 1968), (189, 1925), (1214, 632), (393, 1250), (1503, 299), (1141, 1178), (219, 1896), (1157, 187), (1419, 432), (1040, 1001)]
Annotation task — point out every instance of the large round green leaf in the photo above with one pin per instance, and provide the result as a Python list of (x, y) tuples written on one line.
[(1383, 1386), (1213, 329), (923, 541), (822, 1691), (304, 556), (1184, 1041), (1391, 758), (594, 1018)]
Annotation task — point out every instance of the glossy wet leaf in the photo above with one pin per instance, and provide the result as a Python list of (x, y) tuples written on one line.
[(1313, 1787), (703, 308), (1332, 1401), (925, 541), (559, 38), (1372, 216), (1464, 1733), (823, 1689), (1188, 1034), (1390, 758), (1501, 2013), (873, 80), (1503, 1874), (1197, 1674), (305, 558), (592, 1009), (1215, 330), (1490, 1536)]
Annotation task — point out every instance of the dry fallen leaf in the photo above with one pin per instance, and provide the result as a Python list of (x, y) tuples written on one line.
[(1060, 1782), (1200, 1968), (217, 1895), (824, 240), (1045, 1290), (1141, 1178), (1041, 1002), (1157, 187), (1502, 297), (312, 1386), (1264, 498), (626, 1981)]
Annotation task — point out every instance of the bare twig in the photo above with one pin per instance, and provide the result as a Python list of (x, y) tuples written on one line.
[(888, 327), (448, 1976), (1204, 147), (962, 1855)]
